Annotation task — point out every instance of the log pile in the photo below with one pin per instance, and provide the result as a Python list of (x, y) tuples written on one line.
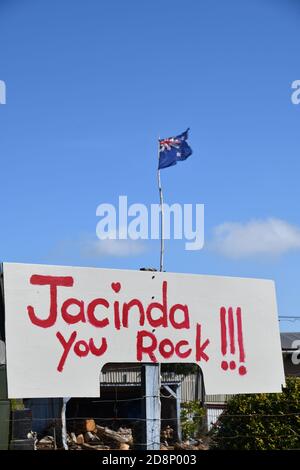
[(168, 441), (91, 436), (198, 444), (167, 437), (46, 443), (87, 435)]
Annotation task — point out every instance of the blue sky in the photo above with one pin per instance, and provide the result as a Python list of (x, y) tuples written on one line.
[(90, 86)]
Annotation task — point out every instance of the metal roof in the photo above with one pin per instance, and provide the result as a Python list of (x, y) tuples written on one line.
[(287, 340)]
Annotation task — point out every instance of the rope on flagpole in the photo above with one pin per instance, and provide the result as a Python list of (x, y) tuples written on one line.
[(161, 202)]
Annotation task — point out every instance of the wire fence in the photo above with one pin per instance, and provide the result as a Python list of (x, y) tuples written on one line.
[(127, 412), (133, 423)]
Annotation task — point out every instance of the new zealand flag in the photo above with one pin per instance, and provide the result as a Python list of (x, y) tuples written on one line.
[(173, 149)]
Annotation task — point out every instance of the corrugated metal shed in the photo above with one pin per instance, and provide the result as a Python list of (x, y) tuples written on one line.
[(131, 376), (287, 340)]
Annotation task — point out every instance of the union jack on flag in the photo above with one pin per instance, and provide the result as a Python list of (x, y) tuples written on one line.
[(173, 149)]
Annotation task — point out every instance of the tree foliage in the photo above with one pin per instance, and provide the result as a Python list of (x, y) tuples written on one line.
[(261, 421), (192, 416)]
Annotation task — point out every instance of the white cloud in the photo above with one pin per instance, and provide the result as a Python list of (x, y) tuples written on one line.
[(111, 247), (257, 237), (87, 247)]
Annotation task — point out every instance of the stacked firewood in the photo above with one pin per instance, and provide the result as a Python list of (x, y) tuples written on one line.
[(88, 435), (91, 436), (192, 444), (168, 441)]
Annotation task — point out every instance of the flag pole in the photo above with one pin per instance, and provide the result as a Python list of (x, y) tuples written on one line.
[(161, 202)]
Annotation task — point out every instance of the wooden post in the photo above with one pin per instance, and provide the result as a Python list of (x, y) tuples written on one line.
[(176, 394), (178, 412), (152, 407), (64, 423)]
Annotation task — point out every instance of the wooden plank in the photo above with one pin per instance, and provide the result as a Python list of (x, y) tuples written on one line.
[(64, 423), (151, 390)]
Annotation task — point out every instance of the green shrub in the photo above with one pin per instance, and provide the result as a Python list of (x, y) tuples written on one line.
[(192, 417), (261, 421), (16, 404)]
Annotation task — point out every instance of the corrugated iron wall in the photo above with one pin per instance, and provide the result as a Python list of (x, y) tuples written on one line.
[(213, 416), (217, 399), (189, 389)]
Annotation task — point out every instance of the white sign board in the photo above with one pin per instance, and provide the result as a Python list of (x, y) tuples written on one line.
[(63, 324)]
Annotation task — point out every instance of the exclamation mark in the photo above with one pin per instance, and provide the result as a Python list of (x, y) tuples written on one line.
[(242, 368), (230, 330), (224, 364), (232, 364)]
